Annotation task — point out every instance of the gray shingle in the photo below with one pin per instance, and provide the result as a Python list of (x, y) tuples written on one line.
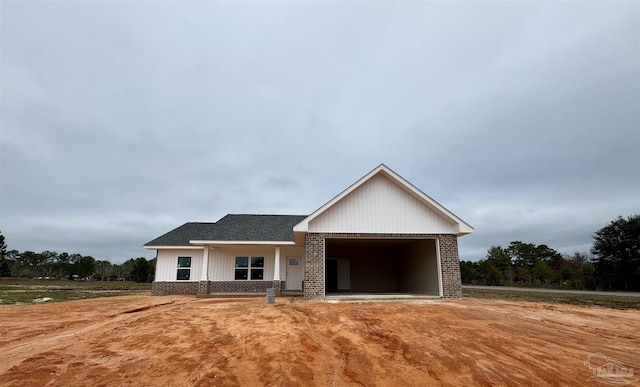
[(182, 235), (233, 227)]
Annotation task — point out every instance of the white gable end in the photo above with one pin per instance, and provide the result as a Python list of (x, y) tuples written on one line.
[(381, 206)]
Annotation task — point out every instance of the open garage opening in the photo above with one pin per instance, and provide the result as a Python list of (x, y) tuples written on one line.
[(382, 266)]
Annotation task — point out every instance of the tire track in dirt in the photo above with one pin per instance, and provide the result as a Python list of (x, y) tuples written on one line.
[(330, 366), (15, 354), (208, 342)]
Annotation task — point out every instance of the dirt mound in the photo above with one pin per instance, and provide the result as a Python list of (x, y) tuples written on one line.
[(184, 341)]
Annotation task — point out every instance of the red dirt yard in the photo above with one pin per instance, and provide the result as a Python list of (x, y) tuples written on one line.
[(186, 341)]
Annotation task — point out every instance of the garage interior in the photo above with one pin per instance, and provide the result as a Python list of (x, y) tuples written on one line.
[(381, 266)]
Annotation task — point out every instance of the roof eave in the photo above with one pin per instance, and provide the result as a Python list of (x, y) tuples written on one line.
[(201, 243), (172, 247)]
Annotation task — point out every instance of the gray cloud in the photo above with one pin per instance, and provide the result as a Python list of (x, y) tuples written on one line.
[(120, 121)]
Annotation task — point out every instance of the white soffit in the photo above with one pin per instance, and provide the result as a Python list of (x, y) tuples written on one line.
[(273, 243), (173, 247)]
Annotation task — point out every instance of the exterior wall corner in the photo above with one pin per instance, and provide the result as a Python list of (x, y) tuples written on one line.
[(314, 266), (450, 266)]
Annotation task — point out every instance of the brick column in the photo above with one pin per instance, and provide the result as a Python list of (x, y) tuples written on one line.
[(314, 287), (203, 288), (451, 281), (277, 285)]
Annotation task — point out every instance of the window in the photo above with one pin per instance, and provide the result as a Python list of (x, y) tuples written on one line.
[(257, 268), (242, 274), (184, 268), (249, 269)]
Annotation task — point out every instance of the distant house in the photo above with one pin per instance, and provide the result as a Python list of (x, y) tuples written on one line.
[(380, 235)]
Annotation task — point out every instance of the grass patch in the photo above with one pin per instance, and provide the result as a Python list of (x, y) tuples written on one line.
[(615, 302), (30, 291)]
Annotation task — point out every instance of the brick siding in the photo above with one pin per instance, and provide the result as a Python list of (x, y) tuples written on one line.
[(204, 287), (314, 266), (167, 288), (212, 287), (450, 263)]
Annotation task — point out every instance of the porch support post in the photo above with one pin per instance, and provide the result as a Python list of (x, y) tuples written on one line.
[(203, 285), (277, 285), (276, 268), (204, 276)]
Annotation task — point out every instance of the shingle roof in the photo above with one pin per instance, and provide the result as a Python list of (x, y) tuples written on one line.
[(233, 227), (183, 234)]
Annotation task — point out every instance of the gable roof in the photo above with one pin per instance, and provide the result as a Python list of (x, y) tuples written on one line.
[(232, 228), (462, 227)]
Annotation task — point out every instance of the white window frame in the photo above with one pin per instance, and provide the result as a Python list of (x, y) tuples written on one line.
[(183, 268), (249, 268)]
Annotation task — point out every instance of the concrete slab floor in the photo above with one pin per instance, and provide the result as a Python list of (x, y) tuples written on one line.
[(379, 296)]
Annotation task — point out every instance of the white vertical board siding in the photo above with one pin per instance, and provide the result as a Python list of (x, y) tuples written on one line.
[(222, 260), (381, 206), (167, 264)]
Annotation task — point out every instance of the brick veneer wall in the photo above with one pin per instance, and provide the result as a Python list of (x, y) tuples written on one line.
[(167, 288), (450, 264), (314, 246), (204, 287), (240, 286), (314, 266), (209, 287)]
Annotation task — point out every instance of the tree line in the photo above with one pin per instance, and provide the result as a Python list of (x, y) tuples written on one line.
[(612, 264), (53, 265)]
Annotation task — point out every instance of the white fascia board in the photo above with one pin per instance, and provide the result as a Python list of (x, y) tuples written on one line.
[(463, 227), (273, 243), (173, 247)]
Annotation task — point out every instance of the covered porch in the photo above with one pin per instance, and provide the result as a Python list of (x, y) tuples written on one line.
[(250, 268)]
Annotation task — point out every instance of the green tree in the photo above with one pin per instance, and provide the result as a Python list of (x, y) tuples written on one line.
[(542, 273), (48, 264), (491, 275), (13, 259), (84, 267), (32, 262), (527, 256), (617, 251), (501, 260), (124, 269), (469, 273), (5, 270), (103, 270), (142, 270), (524, 254), (63, 265), (3, 248)]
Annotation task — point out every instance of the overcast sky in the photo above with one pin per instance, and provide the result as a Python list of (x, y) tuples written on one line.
[(123, 120)]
